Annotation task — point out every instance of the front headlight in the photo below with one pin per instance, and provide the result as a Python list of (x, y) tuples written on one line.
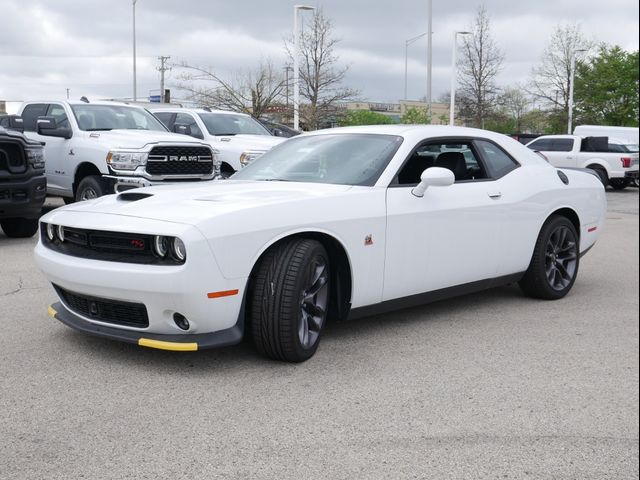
[(35, 156), (249, 156), (125, 160)]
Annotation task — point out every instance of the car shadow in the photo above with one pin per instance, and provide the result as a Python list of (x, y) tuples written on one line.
[(241, 357)]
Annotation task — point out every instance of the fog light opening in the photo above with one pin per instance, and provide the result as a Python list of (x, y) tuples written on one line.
[(181, 321)]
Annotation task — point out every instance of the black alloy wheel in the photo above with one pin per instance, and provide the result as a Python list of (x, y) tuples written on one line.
[(555, 261), (288, 300)]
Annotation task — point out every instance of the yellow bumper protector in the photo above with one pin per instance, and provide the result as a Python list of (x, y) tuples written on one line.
[(173, 346), (52, 312)]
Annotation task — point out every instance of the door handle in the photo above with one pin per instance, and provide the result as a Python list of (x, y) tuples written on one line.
[(495, 195)]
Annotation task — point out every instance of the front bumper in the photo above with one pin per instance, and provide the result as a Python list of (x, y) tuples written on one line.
[(176, 343), (122, 184), (24, 198), (190, 290)]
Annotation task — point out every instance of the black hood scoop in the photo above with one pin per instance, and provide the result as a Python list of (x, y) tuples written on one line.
[(133, 196)]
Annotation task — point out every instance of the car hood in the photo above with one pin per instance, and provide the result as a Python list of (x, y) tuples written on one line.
[(249, 142), (123, 138), (195, 203)]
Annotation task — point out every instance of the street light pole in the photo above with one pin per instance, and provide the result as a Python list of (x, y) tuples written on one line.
[(406, 58), (454, 74), (571, 81), (296, 66), (429, 55), (135, 93)]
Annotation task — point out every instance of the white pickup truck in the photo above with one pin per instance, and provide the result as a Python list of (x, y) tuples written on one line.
[(93, 149), (617, 169), (237, 138)]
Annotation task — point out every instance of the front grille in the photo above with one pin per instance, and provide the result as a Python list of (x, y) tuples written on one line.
[(12, 158), (107, 246), (180, 160), (104, 310)]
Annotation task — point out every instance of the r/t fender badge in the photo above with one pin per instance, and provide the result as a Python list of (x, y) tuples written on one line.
[(368, 240)]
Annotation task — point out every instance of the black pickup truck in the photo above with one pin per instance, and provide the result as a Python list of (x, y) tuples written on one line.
[(23, 186)]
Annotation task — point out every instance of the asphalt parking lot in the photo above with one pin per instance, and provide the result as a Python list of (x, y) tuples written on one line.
[(492, 385)]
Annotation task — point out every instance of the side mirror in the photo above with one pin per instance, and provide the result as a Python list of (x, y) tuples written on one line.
[(276, 132), (12, 122), (48, 127), (433, 177), (182, 129)]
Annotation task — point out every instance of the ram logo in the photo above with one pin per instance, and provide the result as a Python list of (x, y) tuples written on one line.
[(184, 158)]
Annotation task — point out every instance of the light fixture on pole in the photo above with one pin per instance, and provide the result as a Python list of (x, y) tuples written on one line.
[(135, 93), (406, 58), (572, 74), (454, 74), (296, 66)]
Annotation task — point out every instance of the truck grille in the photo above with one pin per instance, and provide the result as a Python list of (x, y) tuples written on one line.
[(180, 161), (12, 158), (104, 310)]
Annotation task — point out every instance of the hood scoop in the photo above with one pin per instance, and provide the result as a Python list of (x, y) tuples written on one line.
[(133, 196)]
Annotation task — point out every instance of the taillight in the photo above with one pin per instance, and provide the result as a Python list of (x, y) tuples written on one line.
[(626, 162)]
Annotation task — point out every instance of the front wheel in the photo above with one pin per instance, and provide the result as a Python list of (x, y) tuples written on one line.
[(19, 227), (556, 258), (90, 187), (289, 299)]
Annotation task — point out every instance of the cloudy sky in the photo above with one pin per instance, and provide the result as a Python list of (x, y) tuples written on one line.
[(86, 45)]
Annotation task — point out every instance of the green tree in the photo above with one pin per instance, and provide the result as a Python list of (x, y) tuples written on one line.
[(415, 116), (606, 89), (363, 117)]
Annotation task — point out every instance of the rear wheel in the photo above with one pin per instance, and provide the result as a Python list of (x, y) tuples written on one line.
[(289, 299), (19, 227), (619, 183), (602, 173), (555, 261), (90, 187)]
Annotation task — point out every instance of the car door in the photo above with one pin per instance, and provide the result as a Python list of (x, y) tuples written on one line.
[(58, 181), (450, 236)]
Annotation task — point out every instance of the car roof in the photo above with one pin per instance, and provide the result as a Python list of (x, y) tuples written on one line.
[(195, 110), (411, 130), (80, 102)]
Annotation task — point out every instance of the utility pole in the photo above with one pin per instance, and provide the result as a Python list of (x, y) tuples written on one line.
[(429, 55), (67, 94), (287, 68), (162, 68)]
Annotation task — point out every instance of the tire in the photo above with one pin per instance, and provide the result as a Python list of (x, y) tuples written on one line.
[(90, 187), (289, 300), (602, 173), (19, 227), (619, 183), (555, 261)]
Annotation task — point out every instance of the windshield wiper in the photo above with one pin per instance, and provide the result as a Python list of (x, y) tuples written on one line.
[(273, 180), (98, 129), (225, 134)]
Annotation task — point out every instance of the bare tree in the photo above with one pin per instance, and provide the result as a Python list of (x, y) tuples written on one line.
[(480, 63), (248, 91), (550, 82), (516, 103), (320, 76)]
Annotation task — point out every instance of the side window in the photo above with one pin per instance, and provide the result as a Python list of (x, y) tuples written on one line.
[(57, 111), (543, 145), (165, 118), (31, 113), (186, 119), (497, 161), (615, 148), (457, 156), (562, 145)]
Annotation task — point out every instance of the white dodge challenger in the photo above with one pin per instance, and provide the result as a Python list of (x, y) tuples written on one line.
[(336, 224)]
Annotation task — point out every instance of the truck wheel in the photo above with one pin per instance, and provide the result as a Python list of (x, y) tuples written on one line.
[(289, 299), (602, 173), (19, 227), (555, 261), (68, 200), (619, 183), (89, 188)]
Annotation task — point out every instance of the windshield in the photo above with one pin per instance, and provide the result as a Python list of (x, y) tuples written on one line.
[(92, 118), (230, 124), (344, 159)]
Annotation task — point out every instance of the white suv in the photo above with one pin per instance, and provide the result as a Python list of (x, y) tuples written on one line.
[(237, 138)]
